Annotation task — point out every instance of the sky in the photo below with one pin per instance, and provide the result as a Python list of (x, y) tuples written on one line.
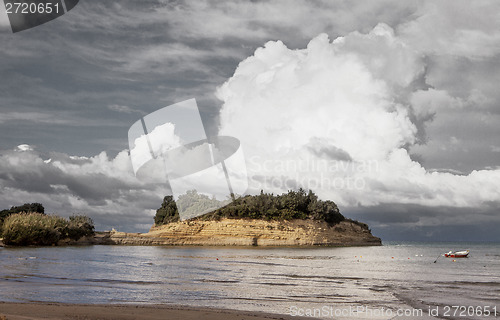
[(388, 108)]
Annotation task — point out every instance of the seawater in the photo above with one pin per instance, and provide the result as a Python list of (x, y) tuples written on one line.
[(326, 283)]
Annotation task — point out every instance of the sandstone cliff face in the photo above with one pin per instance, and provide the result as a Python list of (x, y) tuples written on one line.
[(236, 232)]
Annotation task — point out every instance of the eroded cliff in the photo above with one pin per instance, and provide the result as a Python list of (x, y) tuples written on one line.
[(246, 232)]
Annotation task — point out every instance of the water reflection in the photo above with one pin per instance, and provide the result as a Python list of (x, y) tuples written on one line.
[(268, 279)]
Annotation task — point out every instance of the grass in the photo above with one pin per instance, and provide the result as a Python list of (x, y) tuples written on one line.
[(40, 229)]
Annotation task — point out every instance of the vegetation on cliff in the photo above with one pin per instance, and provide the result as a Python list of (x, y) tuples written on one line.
[(190, 204), (37, 228), (288, 206)]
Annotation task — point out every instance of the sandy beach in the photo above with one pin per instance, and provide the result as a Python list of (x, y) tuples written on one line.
[(24, 311)]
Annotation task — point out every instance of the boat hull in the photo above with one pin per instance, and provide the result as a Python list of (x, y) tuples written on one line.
[(458, 254)]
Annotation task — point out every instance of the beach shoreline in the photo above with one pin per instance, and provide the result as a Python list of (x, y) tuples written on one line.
[(37, 310)]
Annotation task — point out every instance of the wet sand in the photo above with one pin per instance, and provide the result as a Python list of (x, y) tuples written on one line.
[(32, 311)]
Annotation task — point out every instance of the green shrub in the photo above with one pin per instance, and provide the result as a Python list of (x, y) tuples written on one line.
[(288, 206), (27, 207), (80, 226), (40, 229)]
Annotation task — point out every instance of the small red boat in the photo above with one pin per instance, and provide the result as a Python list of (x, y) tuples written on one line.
[(457, 254)]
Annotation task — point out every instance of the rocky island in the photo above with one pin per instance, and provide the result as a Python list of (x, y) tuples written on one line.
[(293, 219), (297, 218)]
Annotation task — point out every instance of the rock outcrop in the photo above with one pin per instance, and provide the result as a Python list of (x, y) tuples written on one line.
[(243, 232)]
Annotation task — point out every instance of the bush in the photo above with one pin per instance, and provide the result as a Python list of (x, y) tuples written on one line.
[(27, 207), (80, 226), (40, 229), (288, 206)]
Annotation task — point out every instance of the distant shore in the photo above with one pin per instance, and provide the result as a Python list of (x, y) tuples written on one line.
[(35, 311)]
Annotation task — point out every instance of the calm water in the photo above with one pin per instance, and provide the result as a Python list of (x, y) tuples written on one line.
[(364, 281)]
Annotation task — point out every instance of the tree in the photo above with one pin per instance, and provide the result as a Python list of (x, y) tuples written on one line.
[(168, 212)]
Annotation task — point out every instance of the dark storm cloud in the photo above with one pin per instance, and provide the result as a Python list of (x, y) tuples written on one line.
[(462, 140), (393, 221)]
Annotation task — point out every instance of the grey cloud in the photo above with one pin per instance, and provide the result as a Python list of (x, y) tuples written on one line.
[(330, 152), (124, 109), (419, 223), (324, 149), (474, 131), (34, 175), (103, 188)]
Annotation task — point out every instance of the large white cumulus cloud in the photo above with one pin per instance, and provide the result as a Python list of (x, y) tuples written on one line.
[(338, 117)]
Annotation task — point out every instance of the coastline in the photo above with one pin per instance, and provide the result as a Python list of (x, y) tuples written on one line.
[(35, 311)]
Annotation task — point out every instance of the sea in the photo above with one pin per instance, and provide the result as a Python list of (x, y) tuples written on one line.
[(399, 280)]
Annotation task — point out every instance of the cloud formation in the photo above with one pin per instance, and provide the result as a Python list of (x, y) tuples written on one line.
[(455, 28), (104, 188), (359, 94)]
